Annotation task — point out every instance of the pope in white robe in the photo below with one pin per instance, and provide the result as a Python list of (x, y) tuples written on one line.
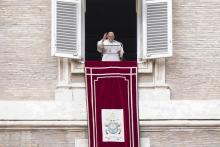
[(110, 49)]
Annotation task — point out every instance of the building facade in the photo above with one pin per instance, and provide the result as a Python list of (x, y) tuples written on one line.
[(43, 97)]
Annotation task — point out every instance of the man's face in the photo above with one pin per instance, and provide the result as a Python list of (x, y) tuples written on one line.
[(111, 36)]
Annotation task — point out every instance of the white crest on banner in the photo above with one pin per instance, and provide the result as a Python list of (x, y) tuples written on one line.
[(112, 125)]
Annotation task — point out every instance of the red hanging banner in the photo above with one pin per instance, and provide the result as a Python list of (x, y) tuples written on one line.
[(112, 104)]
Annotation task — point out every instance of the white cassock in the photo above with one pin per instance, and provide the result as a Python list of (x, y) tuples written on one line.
[(111, 51)]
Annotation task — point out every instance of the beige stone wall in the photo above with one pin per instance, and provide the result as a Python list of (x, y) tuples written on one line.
[(194, 70), (183, 137), (159, 137), (39, 138), (27, 70)]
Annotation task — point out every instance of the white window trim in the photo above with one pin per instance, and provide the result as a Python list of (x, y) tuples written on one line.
[(139, 30), (159, 75), (64, 74), (144, 66)]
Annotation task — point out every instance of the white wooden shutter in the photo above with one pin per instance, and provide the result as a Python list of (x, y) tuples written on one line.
[(157, 28), (66, 28)]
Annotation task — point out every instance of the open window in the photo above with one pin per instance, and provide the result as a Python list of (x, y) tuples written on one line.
[(157, 28), (148, 32), (118, 16), (66, 28)]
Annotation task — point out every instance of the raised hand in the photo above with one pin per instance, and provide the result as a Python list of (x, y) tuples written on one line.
[(104, 36)]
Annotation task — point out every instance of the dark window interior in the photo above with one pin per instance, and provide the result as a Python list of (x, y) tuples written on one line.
[(118, 16)]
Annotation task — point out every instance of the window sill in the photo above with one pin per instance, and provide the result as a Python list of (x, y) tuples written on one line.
[(143, 67)]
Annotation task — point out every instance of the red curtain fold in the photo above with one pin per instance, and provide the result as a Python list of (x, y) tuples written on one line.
[(112, 104)]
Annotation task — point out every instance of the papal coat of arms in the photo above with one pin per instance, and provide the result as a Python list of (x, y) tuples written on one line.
[(112, 125)]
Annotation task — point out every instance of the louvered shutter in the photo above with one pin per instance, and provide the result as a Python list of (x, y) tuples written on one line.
[(66, 28), (157, 28)]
